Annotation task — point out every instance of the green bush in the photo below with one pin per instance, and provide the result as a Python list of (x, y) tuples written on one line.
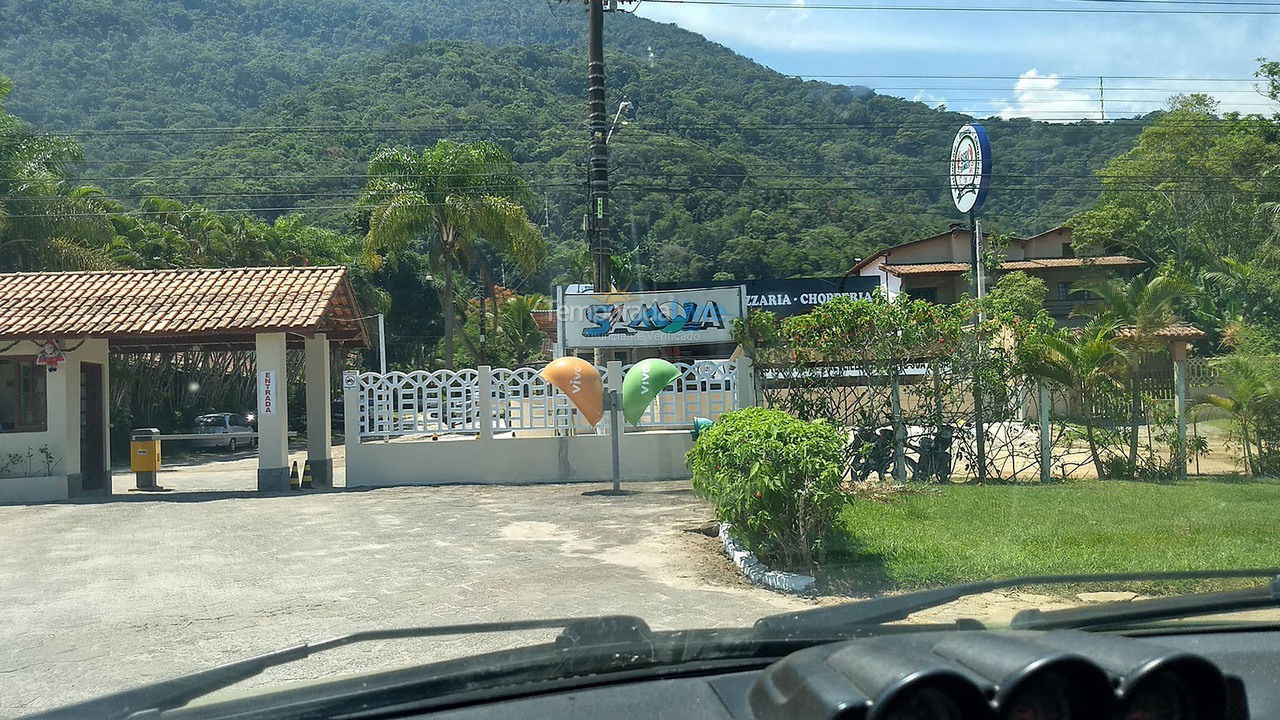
[(775, 478)]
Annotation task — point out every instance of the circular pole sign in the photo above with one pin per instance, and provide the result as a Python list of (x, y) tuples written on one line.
[(970, 167)]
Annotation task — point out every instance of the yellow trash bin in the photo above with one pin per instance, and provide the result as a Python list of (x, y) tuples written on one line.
[(144, 456), (144, 450)]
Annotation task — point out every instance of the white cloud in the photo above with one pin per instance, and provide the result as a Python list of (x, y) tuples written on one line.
[(1041, 97), (794, 31)]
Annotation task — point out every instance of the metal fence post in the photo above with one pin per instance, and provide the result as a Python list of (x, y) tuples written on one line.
[(1046, 435), (745, 377), (614, 389), (485, 402), (1179, 352), (899, 432)]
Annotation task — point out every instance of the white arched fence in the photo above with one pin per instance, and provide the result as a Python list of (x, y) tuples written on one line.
[(510, 425)]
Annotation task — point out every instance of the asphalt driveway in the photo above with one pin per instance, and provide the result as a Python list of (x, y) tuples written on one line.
[(100, 596)]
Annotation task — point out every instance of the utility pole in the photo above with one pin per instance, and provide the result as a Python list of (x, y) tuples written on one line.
[(979, 420), (598, 169), (1102, 102)]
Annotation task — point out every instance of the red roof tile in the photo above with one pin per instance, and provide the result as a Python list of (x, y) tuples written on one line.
[(187, 306), (1172, 332), (1033, 265)]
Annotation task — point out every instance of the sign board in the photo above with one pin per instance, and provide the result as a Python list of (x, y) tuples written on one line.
[(796, 296), (970, 168), (350, 379), (694, 316), (50, 356), (268, 393)]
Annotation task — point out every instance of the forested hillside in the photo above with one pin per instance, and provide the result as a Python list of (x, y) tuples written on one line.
[(724, 166)]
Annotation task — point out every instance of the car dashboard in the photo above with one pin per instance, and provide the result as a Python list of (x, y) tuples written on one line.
[(960, 674)]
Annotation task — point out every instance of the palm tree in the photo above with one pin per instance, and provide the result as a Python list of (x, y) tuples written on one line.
[(1143, 307), (518, 326), (1086, 361), (444, 200), (1251, 395), (45, 221)]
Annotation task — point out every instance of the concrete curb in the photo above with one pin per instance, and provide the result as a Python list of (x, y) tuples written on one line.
[(758, 574)]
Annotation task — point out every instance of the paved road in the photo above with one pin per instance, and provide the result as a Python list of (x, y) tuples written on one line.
[(216, 470), (98, 596)]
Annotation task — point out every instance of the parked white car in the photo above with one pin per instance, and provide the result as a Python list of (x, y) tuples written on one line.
[(220, 426)]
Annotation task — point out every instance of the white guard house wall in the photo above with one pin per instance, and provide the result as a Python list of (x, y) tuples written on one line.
[(26, 475), (426, 428)]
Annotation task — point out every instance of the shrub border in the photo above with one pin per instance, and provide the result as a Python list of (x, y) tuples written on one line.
[(758, 574)]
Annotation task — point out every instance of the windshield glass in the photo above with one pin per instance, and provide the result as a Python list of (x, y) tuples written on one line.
[(331, 317)]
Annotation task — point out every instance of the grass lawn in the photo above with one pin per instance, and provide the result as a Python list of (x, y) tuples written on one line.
[(962, 533)]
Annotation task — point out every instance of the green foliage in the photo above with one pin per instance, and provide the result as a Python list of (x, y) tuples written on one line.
[(1250, 396), (774, 478), (1196, 195), (443, 203), (966, 533), (1017, 294)]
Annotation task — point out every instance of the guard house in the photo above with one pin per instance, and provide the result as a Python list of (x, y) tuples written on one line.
[(58, 329)]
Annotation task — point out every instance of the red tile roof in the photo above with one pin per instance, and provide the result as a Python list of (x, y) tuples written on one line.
[(180, 307), (1032, 265), (1172, 332), (1048, 263), (926, 268)]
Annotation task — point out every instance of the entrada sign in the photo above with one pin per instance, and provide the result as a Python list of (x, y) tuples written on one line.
[(648, 319)]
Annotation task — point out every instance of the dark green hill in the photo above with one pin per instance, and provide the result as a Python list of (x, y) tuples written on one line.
[(725, 166)]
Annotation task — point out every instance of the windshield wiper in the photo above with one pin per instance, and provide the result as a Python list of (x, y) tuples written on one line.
[(898, 607), (1138, 611), (169, 694)]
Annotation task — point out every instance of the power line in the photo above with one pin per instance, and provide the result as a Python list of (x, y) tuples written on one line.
[(988, 9), (1076, 122)]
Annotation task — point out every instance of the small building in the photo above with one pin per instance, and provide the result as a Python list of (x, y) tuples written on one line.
[(58, 329), (934, 268)]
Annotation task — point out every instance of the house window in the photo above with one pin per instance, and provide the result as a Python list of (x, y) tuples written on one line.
[(928, 294), (1066, 291), (23, 401)]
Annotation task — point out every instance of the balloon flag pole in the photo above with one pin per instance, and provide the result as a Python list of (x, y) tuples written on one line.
[(615, 433)]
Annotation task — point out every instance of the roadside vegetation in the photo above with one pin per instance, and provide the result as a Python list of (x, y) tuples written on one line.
[(962, 533)]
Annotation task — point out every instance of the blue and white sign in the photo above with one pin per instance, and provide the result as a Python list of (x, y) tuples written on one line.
[(970, 168), (651, 319)]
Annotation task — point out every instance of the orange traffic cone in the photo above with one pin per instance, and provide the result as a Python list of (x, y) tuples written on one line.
[(294, 483)]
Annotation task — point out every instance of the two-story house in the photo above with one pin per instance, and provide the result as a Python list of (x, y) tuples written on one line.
[(934, 268)]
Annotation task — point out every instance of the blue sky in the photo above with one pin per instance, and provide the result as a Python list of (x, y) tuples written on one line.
[(1047, 63)]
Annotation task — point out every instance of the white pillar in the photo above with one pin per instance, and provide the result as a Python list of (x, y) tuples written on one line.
[(351, 432), (273, 417), (1179, 351), (69, 375), (319, 413), (484, 403)]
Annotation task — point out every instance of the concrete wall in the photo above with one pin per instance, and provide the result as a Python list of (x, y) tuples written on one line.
[(62, 433), (649, 455), (1047, 245)]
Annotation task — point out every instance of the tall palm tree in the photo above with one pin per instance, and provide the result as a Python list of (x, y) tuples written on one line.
[(1086, 361), (46, 222), (442, 201), (1143, 306), (1250, 394)]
